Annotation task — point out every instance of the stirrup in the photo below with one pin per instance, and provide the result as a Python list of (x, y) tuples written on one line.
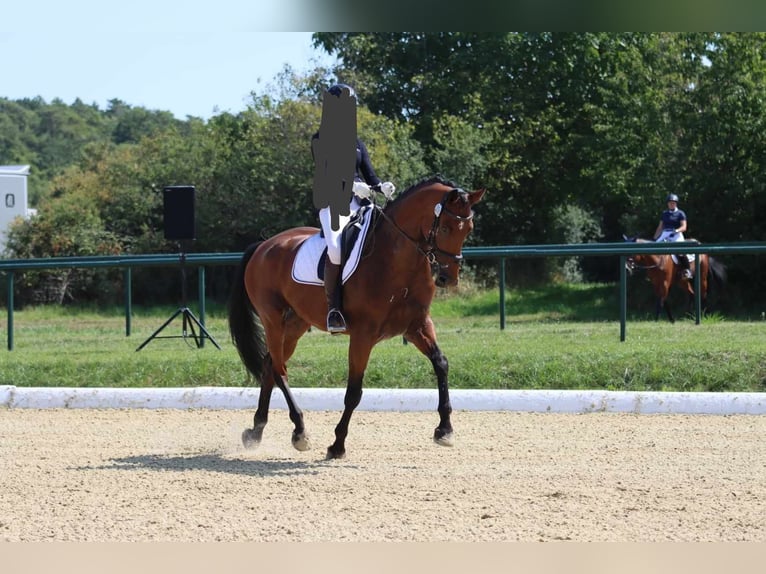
[(687, 274), (335, 321)]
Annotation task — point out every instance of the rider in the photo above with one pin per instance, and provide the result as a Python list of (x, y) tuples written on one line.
[(339, 159), (671, 228)]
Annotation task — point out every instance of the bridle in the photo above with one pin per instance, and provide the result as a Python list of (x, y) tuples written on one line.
[(631, 262), (432, 250)]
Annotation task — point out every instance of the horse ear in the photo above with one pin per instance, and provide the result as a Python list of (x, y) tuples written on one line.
[(454, 194), (475, 196)]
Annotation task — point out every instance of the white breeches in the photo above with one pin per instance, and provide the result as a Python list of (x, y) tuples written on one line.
[(670, 235), (332, 237)]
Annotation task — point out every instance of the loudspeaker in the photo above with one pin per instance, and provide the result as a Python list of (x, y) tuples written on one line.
[(178, 206)]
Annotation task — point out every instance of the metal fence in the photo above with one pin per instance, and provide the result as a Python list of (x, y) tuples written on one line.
[(500, 253)]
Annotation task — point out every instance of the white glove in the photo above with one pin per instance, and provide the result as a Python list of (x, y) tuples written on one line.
[(387, 188), (361, 190)]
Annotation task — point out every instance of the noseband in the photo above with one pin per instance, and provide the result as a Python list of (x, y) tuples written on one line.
[(631, 262), (434, 249)]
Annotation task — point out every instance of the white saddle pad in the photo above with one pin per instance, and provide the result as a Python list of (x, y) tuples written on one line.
[(305, 266), (674, 257)]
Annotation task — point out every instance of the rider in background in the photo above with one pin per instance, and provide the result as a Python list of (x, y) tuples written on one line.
[(343, 178), (671, 228)]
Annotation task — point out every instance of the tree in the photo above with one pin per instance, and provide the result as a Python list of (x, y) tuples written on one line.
[(723, 188), (566, 119), (65, 227)]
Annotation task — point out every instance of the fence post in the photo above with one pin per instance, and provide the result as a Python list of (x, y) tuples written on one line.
[(502, 293), (697, 288), (623, 296), (127, 279), (201, 292), (10, 310)]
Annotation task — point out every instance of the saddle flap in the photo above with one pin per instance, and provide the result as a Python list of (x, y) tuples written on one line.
[(308, 266)]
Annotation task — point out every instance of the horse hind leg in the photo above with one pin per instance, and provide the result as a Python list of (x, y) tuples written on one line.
[(283, 341), (286, 337), (300, 438), (251, 438)]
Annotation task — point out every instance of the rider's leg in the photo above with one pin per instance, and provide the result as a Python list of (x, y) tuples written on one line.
[(683, 260), (333, 282), (336, 323)]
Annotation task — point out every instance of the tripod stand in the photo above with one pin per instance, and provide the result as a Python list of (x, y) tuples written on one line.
[(188, 318)]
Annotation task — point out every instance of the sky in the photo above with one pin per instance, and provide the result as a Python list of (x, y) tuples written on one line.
[(190, 57)]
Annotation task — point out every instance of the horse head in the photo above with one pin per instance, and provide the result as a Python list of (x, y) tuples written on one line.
[(640, 260), (437, 216), (630, 261)]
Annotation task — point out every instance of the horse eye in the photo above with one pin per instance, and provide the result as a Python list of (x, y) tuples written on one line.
[(445, 229)]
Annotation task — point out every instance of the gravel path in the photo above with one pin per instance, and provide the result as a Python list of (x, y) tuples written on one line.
[(182, 475)]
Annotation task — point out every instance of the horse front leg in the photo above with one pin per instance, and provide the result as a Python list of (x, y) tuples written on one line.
[(424, 339), (661, 292), (358, 356)]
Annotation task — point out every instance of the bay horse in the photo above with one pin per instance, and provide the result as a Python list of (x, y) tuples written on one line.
[(663, 273), (389, 294)]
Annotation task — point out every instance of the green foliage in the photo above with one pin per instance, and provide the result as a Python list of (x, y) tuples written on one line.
[(610, 122), (573, 224), (576, 136), (460, 150), (64, 228)]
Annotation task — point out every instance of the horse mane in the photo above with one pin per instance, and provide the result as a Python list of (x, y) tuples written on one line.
[(424, 183)]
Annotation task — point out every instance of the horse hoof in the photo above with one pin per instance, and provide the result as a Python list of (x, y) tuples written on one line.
[(333, 453), (250, 439), (301, 442), (444, 438)]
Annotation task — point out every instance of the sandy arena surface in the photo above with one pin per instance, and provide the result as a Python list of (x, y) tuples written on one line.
[(174, 475)]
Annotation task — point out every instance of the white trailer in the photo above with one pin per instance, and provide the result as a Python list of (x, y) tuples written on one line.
[(13, 197)]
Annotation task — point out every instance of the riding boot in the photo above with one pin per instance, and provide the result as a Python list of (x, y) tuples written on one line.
[(685, 265), (333, 287)]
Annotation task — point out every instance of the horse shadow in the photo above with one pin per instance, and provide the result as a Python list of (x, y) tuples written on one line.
[(215, 462)]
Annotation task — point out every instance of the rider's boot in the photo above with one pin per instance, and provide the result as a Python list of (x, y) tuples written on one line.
[(336, 323), (685, 264)]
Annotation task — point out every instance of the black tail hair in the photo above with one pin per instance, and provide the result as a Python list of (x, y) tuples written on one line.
[(244, 325)]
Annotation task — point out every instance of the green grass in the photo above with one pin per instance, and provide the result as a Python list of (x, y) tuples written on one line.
[(562, 337)]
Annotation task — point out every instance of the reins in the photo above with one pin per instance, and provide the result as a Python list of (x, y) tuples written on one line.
[(433, 248), (645, 267)]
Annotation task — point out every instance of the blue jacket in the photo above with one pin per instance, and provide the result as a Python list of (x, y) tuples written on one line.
[(364, 170), (672, 219)]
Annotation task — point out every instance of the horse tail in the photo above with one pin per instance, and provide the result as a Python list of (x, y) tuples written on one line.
[(245, 327), (718, 271)]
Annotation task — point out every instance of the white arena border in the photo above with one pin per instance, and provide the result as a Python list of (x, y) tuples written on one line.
[(401, 400)]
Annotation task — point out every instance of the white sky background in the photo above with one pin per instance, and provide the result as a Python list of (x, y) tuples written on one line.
[(189, 57)]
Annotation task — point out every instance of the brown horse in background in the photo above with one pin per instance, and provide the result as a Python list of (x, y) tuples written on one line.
[(389, 294), (663, 273)]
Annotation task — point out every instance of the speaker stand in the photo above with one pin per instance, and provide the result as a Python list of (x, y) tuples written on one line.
[(189, 320)]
